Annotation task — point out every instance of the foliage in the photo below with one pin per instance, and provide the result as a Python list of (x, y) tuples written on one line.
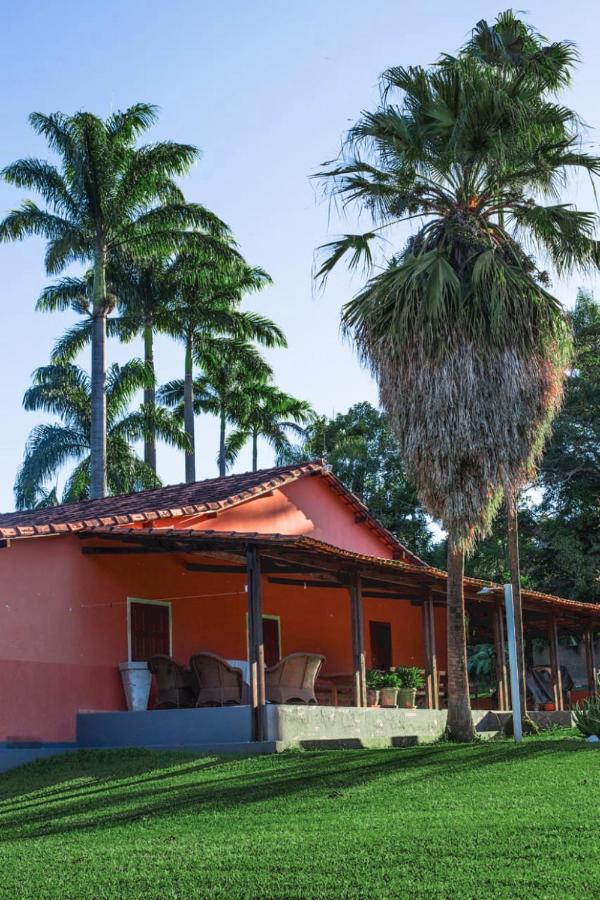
[(65, 391), (106, 198), (587, 716), (363, 453), (409, 677), (482, 662), (390, 680), (374, 679)]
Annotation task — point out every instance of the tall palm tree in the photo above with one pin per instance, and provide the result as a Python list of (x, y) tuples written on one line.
[(66, 391), (459, 327), (513, 46), (106, 196), (226, 364), (207, 292), (262, 410)]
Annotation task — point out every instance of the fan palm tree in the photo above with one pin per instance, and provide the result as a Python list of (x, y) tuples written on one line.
[(65, 391), (226, 364), (106, 196), (207, 292), (264, 411), (466, 341)]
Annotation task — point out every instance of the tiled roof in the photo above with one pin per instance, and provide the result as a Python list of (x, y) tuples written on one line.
[(422, 572), (200, 497), (176, 500)]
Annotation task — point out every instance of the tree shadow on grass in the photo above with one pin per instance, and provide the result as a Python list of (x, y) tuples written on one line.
[(129, 796)]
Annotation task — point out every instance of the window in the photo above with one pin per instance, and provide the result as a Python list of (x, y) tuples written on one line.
[(381, 645), (149, 629), (272, 640)]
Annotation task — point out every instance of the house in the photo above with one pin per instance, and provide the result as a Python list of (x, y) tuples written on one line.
[(270, 562)]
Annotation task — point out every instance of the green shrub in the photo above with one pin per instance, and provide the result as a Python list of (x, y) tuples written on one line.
[(374, 679), (389, 680), (587, 716), (409, 677)]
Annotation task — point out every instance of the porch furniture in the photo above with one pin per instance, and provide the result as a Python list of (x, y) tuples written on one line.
[(338, 687), (173, 683), (292, 680), (217, 683)]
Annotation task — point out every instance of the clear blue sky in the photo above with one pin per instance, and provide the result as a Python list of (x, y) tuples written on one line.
[(266, 89)]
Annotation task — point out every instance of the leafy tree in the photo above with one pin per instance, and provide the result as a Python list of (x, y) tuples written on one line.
[(106, 197), (205, 316), (226, 364), (459, 328), (262, 410), (363, 453), (66, 392)]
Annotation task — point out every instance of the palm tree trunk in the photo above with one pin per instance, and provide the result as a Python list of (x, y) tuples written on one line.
[(459, 726), (188, 412), (515, 577), (254, 451), (98, 367), (150, 394), (222, 470)]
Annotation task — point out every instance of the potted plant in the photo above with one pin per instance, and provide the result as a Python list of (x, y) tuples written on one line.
[(373, 686), (388, 689), (410, 681)]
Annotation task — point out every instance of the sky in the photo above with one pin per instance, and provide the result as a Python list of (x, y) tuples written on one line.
[(266, 89)]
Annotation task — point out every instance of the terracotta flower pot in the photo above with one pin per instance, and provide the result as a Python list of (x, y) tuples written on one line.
[(407, 698), (372, 697), (388, 696)]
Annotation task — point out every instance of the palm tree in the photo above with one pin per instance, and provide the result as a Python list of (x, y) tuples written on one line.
[(459, 327), (65, 391), (207, 292), (227, 364), (264, 411), (106, 197)]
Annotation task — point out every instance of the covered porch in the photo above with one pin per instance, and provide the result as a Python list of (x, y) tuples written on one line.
[(334, 597)]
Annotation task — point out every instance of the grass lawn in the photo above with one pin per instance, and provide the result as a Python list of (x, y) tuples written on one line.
[(489, 820)]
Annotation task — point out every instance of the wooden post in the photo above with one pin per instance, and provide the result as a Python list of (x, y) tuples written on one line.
[(427, 647), (555, 664), (432, 681), (500, 651), (588, 641), (359, 678), (256, 645)]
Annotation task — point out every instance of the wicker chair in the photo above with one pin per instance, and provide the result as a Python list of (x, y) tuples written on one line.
[(293, 679), (173, 683), (217, 683)]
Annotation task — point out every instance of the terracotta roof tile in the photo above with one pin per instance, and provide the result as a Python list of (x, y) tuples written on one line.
[(166, 502)]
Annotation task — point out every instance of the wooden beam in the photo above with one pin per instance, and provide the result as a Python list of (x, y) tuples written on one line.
[(298, 582), (555, 664), (500, 655), (121, 551), (359, 679), (258, 698), (214, 567), (588, 642), (425, 621)]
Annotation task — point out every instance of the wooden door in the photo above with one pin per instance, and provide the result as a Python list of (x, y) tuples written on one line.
[(381, 645), (271, 641), (150, 629)]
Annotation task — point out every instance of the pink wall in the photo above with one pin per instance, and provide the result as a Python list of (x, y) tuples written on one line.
[(63, 626), (308, 507)]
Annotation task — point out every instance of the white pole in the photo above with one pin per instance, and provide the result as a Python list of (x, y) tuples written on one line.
[(513, 664)]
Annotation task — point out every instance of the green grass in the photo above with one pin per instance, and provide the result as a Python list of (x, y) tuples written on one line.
[(488, 820)]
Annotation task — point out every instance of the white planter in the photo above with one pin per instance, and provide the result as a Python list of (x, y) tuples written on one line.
[(136, 679)]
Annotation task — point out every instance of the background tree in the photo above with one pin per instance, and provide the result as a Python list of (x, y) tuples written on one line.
[(460, 330), (262, 410), (363, 453), (107, 196), (207, 291), (65, 391)]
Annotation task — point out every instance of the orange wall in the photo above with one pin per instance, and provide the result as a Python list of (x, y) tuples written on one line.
[(63, 626), (308, 506)]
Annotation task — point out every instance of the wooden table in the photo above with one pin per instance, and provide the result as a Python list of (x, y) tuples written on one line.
[(336, 682)]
